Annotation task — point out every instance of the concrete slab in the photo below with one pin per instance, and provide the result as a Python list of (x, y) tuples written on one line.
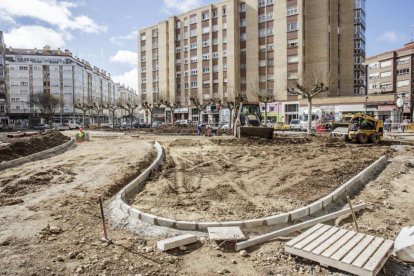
[(232, 233), (176, 242)]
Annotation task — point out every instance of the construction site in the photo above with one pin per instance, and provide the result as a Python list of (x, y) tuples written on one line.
[(168, 201)]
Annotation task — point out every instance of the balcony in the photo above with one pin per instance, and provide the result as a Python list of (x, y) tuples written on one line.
[(359, 21), (359, 35), (360, 52)]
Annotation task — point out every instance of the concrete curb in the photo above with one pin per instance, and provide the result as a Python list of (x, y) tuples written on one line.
[(347, 188), (37, 156)]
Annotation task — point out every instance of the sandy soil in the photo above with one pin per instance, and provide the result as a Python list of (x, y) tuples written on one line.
[(18, 147), (227, 179), (56, 228)]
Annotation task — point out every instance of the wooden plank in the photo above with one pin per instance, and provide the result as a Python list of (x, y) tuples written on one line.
[(304, 235), (347, 247), (338, 244), (326, 261), (176, 242), (358, 248), (321, 239), (376, 259), (230, 233), (366, 254), (312, 237), (318, 250), (294, 228)]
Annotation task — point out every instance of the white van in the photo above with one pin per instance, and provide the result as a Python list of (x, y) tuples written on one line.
[(304, 121), (74, 125)]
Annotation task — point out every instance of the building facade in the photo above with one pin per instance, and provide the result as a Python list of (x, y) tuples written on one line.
[(3, 109), (246, 47), (72, 80), (391, 74)]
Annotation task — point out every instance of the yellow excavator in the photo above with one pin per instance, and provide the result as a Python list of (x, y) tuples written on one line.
[(362, 128)]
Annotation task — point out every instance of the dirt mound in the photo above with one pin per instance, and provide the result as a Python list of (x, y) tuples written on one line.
[(261, 141), (20, 147)]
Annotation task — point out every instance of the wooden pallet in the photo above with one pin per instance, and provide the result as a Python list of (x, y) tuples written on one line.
[(346, 250)]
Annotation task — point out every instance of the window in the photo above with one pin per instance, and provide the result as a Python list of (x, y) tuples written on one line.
[(193, 84), (215, 14), (193, 72), (215, 28), (193, 19), (373, 86), (185, 35), (186, 85), (262, 32), (193, 46), (224, 26), (402, 72), (186, 61), (292, 75), (193, 33), (293, 43), (205, 16), (269, 2), (386, 63), (224, 39), (262, 63), (178, 37), (206, 56), (373, 75), (292, 26), (185, 48), (215, 55), (206, 84), (403, 83), (178, 61), (178, 85), (206, 43), (193, 59), (206, 30), (270, 62), (224, 53), (215, 68), (269, 47), (206, 70), (178, 74), (243, 37), (270, 16), (373, 65), (262, 18), (224, 11), (386, 74), (242, 7), (270, 31), (215, 41), (385, 85), (225, 67), (292, 10), (178, 24), (23, 68), (262, 3), (143, 37), (243, 22), (403, 60)]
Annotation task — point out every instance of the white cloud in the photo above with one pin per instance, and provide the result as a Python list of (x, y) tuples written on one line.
[(34, 36), (130, 78), (391, 37), (119, 40), (53, 12), (172, 6), (126, 57)]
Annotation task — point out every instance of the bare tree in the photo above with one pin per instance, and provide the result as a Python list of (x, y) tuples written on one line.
[(308, 88), (46, 103), (130, 108), (98, 107), (173, 107), (200, 105), (151, 107), (112, 108), (85, 108), (263, 96)]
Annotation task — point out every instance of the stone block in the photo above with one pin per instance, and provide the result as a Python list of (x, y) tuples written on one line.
[(277, 219), (176, 242)]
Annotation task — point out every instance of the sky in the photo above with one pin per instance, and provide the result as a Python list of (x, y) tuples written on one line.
[(104, 32)]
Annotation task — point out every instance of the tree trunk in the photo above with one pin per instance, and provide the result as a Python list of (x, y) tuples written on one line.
[(113, 119), (265, 117), (131, 117), (99, 118), (309, 115), (84, 115), (231, 117)]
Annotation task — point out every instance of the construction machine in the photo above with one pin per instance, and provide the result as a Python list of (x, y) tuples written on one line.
[(249, 118), (362, 128)]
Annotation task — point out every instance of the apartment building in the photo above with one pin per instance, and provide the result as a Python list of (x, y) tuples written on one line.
[(3, 118), (391, 74), (72, 80), (246, 47)]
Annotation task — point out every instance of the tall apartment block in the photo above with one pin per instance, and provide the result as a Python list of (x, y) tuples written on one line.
[(72, 80), (240, 47), (3, 102), (390, 74)]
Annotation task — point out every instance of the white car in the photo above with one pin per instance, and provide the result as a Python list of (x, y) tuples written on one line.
[(295, 124), (74, 125)]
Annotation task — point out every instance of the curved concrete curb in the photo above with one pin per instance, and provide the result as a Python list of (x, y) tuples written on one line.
[(37, 156), (349, 187)]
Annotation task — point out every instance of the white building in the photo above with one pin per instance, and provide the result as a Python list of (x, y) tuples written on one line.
[(72, 80)]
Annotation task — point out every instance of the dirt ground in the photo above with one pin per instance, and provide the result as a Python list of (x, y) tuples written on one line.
[(56, 229), (23, 146), (226, 179)]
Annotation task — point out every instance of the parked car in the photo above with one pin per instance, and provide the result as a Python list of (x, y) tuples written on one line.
[(74, 125), (281, 126), (41, 127), (181, 123), (295, 124), (225, 126), (59, 126), (156, 124)]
